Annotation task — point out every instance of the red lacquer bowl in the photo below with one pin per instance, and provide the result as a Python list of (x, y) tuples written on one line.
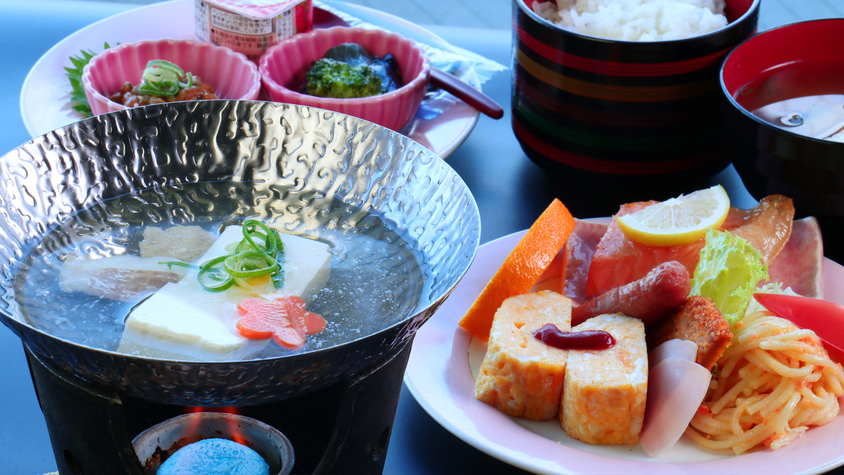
[(801, 59)]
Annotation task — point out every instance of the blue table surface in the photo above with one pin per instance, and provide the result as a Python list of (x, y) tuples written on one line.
[(418, 444)]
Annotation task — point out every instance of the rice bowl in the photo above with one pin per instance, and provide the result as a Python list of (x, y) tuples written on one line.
[(636, 20), (637, 112)]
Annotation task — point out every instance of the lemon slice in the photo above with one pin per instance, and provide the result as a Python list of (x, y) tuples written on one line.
[(677, 221)]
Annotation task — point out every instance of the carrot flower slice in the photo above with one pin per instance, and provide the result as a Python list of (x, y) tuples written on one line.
[(313, 323), (285, 320)]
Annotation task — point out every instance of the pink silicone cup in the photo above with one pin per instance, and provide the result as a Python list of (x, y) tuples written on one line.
[(284, 65), (231, 74)]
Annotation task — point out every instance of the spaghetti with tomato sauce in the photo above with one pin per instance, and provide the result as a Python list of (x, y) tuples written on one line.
[(774, 382)]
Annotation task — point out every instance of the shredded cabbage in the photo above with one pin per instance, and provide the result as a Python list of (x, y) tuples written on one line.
[(728, 272), (767, 288)]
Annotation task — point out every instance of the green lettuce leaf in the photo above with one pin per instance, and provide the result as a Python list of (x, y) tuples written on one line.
[(728, 272)]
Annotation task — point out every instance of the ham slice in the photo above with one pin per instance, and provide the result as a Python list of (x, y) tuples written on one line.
[(676, 387), (618, 260), (800, 264), (579, 249)]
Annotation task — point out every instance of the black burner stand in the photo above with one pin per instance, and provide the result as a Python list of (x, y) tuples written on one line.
[(342, 428)]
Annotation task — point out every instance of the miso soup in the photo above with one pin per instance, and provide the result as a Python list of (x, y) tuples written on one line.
[(805, 97), (820, 117), (375, 276)]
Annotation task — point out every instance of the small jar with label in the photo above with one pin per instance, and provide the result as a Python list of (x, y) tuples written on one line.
[(250, 27)]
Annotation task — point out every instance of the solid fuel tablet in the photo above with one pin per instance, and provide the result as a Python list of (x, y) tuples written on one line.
[(214, 457)]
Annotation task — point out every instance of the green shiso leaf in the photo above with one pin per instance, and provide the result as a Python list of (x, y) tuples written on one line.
[(728, 272), (78, 100)]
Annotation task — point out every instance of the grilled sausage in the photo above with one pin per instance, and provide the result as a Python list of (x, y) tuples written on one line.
[(649, 299)]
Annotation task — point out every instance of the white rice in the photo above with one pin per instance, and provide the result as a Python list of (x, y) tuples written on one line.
[(636, 20)]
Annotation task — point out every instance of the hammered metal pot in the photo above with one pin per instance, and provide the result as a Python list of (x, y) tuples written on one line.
[(315, 155)]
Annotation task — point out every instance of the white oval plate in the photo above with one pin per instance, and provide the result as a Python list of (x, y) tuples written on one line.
[(439, 375), (45, 96)]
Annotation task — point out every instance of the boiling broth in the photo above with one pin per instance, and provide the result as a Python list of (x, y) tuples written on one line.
[(375, 280)]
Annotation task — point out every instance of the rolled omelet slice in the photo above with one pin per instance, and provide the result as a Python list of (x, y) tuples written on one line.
[(520, 375), (605, 391)]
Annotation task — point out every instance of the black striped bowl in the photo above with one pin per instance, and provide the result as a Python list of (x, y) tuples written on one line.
[(610, 109)]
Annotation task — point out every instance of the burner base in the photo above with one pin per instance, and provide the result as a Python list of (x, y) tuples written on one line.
[(342, 428)]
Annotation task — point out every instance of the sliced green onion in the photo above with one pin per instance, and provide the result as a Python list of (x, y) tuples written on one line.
[(259, 253), (213, 277), (248, 264), (278, 277), (166, 66), (170, 264), (189, 82), (268, 237), (163, 78)]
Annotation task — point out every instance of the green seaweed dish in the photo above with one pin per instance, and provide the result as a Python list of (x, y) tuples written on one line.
[(349, 71)]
